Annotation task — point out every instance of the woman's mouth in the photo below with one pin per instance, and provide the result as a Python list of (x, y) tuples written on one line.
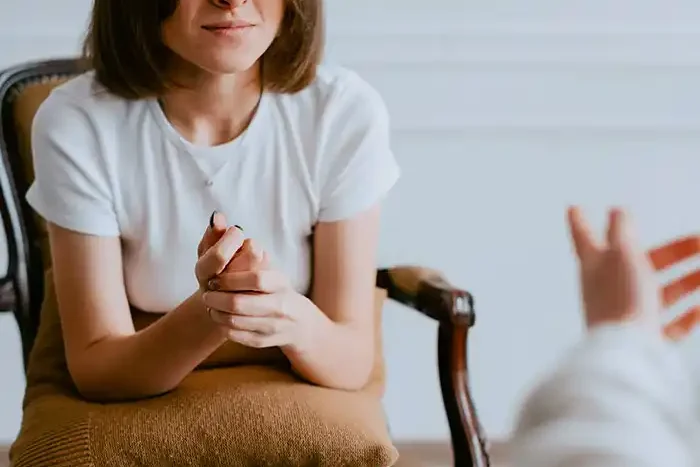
[(228, 27)]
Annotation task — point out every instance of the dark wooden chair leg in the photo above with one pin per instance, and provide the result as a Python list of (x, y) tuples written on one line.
[(428, 292), (461, 412)]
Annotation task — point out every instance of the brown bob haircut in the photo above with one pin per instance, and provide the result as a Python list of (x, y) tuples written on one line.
[(124, 47)]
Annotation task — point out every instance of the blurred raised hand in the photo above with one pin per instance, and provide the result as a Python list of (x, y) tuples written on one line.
[(669, 255), (617, 276)]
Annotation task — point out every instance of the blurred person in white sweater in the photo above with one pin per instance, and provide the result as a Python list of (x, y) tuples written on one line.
[(624, 396)]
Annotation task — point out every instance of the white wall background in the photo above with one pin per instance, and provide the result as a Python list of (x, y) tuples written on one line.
[(504, 112)]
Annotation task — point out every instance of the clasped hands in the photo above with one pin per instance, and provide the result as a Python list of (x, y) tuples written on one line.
[(251, 301)]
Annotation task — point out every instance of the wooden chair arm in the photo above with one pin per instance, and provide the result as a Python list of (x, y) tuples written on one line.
[(431, 294), (428, 292)]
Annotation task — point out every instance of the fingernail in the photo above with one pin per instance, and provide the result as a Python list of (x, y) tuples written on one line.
[(211, 219), (213, 284), (239, 228)]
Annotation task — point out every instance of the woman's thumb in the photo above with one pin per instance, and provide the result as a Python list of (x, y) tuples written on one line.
[(215, 230)]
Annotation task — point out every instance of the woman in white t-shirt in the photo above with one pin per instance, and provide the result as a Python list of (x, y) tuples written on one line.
[(195, 107), (624, 397)]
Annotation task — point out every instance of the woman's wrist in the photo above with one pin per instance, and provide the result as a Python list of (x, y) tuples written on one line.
[(312, 324), (322, 357), (200, 317)]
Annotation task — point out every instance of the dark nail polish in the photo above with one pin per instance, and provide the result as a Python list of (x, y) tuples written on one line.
[(211, 219), (213, 284), (239, 228)]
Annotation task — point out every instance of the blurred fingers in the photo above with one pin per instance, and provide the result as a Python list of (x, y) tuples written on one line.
[(683, 325), (680, 288), (679, 250), (582, 237)]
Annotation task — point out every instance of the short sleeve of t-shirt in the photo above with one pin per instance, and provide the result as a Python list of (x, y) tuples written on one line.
[(359, 165), (71, 187)]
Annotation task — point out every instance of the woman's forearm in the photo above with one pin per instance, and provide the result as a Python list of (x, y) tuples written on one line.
[(152, 361), (338, 356)]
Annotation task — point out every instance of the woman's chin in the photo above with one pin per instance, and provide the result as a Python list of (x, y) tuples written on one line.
[(226, 65)]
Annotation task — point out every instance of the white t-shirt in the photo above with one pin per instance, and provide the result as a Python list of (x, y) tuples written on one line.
[(111, 167)]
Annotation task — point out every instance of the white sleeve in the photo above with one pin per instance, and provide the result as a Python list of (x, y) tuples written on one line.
[(623, 398), (71, 187), (358, 164)]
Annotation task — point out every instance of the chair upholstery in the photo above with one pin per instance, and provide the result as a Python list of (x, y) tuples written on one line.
[(25, 107), (21, 289), (23, 89)]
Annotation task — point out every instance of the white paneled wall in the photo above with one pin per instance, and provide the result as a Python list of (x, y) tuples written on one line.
[(503, 112)]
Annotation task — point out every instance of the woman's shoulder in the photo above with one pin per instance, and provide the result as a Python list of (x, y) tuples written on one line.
[(337, 92), (345, 124), (84, 97), (336, 80)]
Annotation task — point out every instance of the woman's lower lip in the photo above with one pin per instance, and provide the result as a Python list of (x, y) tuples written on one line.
[(228, 31)]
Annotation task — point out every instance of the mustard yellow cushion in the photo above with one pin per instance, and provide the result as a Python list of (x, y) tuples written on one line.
[(227, 413)]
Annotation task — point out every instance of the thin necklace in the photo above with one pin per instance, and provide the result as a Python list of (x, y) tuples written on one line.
[(208, 179)]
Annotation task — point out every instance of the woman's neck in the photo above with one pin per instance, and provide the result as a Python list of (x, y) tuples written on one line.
[(213, 109)]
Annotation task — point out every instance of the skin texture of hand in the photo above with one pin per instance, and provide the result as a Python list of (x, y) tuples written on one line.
[(257, 304), (253, 302), (616, 278)]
